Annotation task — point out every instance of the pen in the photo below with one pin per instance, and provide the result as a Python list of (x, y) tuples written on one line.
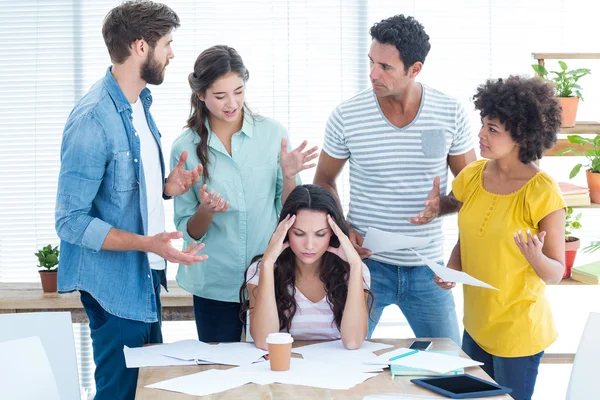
[(404, 355)]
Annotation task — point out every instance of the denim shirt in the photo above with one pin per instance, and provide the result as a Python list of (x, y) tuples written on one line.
[(100, 186)]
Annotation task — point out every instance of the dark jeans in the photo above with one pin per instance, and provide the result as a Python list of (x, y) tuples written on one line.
[(109, 334), (517, 373), (217, 321)]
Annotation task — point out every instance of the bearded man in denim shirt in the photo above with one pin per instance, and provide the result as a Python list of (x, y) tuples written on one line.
[(109, 211)]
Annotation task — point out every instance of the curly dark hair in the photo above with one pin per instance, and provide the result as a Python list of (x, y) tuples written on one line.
[(407, 34), (527, 108), (334, 271), (135, 20)]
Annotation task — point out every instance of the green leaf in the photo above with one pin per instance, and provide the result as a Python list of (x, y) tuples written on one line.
[(563, 65), (574, 171), (564, 151), (539, 69)]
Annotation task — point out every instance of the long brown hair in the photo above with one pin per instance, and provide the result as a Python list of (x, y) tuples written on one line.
[(211, 64), (334, 271)]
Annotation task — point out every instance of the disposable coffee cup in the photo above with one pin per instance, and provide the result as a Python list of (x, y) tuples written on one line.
[(280, 350)]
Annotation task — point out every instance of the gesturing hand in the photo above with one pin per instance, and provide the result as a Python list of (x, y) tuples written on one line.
[(346, 251), (161, 245), (210, 202), (179, 180), (294, 161), (276, 244), (530, 246), (432, 205)]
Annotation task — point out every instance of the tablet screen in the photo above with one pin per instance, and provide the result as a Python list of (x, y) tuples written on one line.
[(461, 384)]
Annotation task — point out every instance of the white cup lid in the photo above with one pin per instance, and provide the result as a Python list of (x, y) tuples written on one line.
[(279, 338)]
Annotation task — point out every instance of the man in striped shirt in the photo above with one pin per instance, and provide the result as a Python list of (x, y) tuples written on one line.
[(400, 136)]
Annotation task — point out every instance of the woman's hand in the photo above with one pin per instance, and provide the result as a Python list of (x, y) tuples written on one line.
[(530, 245), (211, 203), (292, 162), (346, 250), (276, 244)]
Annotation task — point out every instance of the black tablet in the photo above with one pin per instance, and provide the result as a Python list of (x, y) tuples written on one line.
[(462, 386)]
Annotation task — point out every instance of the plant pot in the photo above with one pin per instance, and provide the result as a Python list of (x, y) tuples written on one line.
[(48, 279), (569, 110), (571, 246), (593, 181)]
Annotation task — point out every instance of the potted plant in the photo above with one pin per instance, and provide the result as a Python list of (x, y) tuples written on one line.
[(571, 242), (568, 91), (591, 151), (48, 264)]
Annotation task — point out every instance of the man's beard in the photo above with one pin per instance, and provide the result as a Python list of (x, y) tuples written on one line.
[(152, 71)]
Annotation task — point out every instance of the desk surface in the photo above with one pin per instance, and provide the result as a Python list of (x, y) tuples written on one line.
[(381, 384)]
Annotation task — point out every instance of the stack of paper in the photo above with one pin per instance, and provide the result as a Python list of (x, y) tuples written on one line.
[(401, 370), (574, 195), (189, 352), (588, 273)]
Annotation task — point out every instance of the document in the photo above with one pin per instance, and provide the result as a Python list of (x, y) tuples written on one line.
[(339, 345), (139, 357), (204, 383), (379, 241), (451, 275), (430, 361)]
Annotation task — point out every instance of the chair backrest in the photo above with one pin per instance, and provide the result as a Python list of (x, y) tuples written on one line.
[(582, 384), (25, 371), (55, 331)]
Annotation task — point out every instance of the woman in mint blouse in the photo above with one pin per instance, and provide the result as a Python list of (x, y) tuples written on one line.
[(249, 169)]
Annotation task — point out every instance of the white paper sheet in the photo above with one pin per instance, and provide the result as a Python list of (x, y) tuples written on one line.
[(25, 371), (204, 383), (451, 275), (139, 357), (339, 345), (436, 362), (223, 353), (379, 241)]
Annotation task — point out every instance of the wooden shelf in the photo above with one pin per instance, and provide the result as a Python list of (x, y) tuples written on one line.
[(572, 282), (566, 56), (582, 127)]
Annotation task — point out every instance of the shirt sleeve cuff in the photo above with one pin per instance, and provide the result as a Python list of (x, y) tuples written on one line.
[(95, 234), (186, 236)]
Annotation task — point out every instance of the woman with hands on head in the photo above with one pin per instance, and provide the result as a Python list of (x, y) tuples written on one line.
[(511, 232), (310, 281), (248, 171)]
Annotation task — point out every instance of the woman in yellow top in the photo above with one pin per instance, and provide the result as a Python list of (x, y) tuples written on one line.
[(511, 224)]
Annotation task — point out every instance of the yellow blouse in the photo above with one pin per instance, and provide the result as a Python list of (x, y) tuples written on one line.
[(515, 321)]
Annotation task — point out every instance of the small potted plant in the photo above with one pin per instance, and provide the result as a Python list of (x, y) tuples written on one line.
[(568, 91), (591, 151), (48, 264), (571, 242)]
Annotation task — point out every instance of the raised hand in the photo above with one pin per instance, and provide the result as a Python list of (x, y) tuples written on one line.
[(210, 202), (276, 244), (161, 245), (179, 180), (530, 245), (432, 205), (292, 162), (346, 251)]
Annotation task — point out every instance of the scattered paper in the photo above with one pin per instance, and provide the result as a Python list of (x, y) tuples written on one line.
[(223, 353), (339, 345), (204, 383), (430, 361), (451, 275), (25, 371), (139, 357), (379, 241)]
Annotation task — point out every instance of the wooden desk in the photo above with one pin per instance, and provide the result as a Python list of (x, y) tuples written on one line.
[(28, 297), (382, 383)]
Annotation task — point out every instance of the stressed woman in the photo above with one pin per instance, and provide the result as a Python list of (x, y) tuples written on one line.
[(310, 282)]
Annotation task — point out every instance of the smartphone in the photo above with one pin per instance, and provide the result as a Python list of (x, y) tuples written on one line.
[(420, 345)]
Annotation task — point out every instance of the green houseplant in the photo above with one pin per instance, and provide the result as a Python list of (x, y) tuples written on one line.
[(571, 242), (590, 150), (568, 91), (48, 267)]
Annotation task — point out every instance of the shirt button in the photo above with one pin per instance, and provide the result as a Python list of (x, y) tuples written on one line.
[(148, 276), (127, 153), (136, 134), (135, 160)]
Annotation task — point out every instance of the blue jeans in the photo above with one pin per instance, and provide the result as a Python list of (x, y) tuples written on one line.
[(217, 321), (429, 309), (109, 334), (518, 373)]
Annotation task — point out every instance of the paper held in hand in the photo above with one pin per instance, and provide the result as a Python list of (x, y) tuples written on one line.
[(379, 241)]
